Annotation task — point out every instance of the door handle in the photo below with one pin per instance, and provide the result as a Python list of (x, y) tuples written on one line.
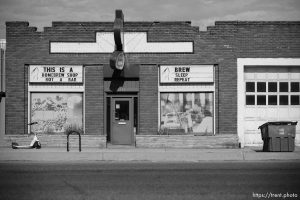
[(122, 123)]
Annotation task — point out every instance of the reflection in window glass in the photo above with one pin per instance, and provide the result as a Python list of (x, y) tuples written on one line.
[(272, 100), (283, 87), (272, 87), (122, 110), (261, 99), (250, 100), (57, 112), (295, 100), (250, 86), (187, 113), (261, 87), (284, 100), (295, 87)]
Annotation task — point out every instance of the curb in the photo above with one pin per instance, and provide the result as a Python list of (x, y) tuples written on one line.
[(147, 155)]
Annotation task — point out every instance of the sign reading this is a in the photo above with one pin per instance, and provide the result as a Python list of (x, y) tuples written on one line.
[(186, 73), (55, 73)]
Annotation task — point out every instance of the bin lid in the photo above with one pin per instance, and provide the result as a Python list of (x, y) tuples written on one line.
[(278, 123)]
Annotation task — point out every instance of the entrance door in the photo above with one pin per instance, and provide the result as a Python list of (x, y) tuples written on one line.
[(122, 121)]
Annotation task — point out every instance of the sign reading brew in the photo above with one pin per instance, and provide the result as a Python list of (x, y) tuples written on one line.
[(55, 73), (186, 73)]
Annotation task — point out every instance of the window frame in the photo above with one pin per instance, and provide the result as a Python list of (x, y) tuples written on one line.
[(278, 93)]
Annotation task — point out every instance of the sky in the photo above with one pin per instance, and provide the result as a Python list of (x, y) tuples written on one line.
[(202, 13)]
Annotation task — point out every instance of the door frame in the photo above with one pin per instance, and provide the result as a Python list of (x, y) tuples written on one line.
[(130, 119), (131, 95)]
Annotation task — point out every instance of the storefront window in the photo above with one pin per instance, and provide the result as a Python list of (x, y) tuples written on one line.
[(187, 113), (57, 112)]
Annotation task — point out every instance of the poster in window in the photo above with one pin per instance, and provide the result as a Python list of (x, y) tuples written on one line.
[(57, 113), (187, 113)]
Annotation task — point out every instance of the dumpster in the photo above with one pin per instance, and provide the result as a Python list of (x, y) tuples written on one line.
[(278, 136)]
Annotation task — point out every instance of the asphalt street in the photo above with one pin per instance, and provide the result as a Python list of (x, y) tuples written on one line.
[(142, 180)]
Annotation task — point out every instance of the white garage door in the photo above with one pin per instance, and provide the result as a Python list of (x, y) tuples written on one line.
[(271, 94)]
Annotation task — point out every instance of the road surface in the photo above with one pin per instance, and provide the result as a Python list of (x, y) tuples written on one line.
[(99, 180)]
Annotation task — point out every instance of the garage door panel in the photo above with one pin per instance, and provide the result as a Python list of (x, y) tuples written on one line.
[(295, 76), (295, 114), (249, 125), (277, 101), (252, 126), (249, 76), (284, 76), (261, 114), (262, 76), (256, 115), (250, 113), (272, 113), (253, 139), (283, 114), (272, 76)]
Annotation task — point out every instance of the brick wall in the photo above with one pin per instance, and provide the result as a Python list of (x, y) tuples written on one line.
[(221, 44), (187, 141), (16, 100), (236, 39), (58, 141), (94, 102), (148, 100)]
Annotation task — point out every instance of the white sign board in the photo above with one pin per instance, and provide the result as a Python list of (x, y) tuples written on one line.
[(186, 73), (136, 42), (55, 73)]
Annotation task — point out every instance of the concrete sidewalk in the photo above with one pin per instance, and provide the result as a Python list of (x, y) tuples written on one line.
[(149, 155)]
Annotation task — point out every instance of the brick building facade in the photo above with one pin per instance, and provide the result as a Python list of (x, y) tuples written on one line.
[(212, 107)]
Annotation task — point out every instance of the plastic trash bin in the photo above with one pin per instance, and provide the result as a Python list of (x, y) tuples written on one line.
[(278, 136)]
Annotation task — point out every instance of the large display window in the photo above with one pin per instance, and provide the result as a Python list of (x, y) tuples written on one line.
[(57, 112), (187, 113)]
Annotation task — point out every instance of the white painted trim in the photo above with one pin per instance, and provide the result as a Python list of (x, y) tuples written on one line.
[(214, 119), (214, 96), (187, 88), (28, 107), (158, 98), (83, 97), (55, 88), (134, 42), (241, 63)]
